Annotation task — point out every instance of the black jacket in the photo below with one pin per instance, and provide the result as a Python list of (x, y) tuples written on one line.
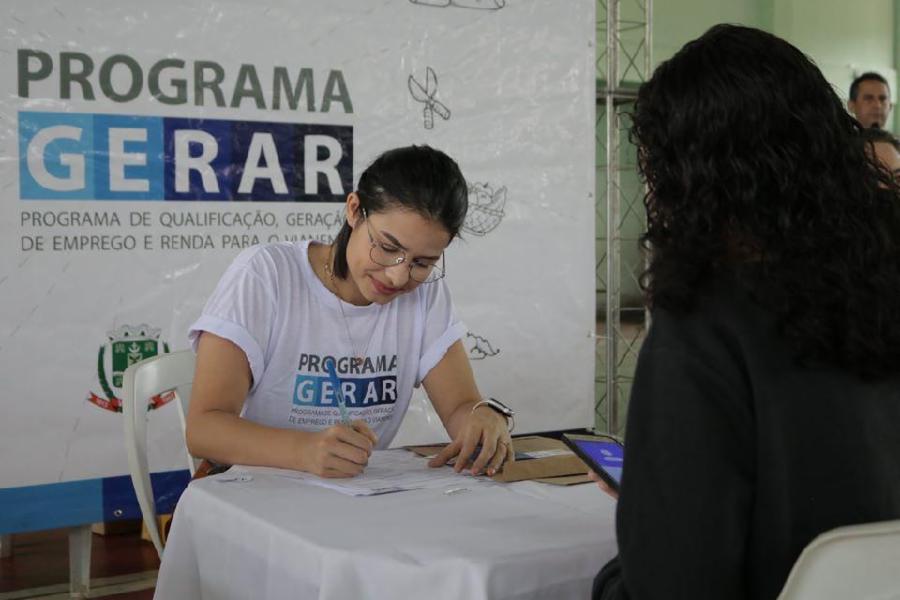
[(736, 457)]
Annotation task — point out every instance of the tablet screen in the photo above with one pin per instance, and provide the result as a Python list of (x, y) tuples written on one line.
[(608, 455)]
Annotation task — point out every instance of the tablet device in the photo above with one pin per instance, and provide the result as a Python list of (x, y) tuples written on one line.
[(603, 454)]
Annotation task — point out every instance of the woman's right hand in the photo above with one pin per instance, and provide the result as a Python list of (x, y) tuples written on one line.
[(339, 451), (603, 485)]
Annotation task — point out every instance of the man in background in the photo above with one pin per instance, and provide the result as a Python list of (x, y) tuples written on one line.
[(870, 100)]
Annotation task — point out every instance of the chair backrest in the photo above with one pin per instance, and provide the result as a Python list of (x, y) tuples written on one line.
[(858, 561), (143, 381)]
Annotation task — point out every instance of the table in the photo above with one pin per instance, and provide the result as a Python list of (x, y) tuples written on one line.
[(278, 538)]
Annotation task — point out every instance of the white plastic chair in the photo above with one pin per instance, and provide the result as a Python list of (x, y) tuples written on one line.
[(143, 380), (858, 561)]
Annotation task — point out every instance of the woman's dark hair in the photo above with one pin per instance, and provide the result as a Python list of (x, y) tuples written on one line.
[(751, 159), (416, 178), (877, 135)]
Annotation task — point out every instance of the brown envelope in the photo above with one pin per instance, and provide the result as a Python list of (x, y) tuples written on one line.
[(555, 461)]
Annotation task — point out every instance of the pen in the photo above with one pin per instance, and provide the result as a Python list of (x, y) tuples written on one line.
[(336, 383)]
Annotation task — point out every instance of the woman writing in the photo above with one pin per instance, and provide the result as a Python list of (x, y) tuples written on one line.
[(307, 354)]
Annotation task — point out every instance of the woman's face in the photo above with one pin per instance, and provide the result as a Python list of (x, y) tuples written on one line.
[(395, 229), (889, 157)]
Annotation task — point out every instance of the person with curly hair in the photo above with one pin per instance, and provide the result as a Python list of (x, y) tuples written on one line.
[(766, 403)]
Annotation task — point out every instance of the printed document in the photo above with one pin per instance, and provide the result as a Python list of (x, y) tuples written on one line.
[(388, 471)]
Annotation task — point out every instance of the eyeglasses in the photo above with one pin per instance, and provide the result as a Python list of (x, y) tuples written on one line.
[(388, 255)]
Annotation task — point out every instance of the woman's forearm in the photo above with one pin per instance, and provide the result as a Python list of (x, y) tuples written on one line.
[(226, 438)]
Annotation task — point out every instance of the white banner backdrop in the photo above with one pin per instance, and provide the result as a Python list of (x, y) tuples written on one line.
[(144, 145)]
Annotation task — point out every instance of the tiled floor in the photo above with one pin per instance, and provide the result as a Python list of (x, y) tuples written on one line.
[(40, 563)]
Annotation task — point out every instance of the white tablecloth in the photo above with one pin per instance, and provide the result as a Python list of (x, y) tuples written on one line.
[(278, 538)]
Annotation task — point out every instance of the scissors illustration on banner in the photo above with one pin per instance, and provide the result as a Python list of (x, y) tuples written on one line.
[(425, 94)]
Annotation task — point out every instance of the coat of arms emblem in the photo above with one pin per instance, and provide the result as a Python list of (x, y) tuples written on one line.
[(126, 346)]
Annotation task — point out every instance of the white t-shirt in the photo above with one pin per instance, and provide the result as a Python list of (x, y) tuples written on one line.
[(271, 304)]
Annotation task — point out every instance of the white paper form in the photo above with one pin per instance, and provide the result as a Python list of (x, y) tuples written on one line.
[(388, 471)]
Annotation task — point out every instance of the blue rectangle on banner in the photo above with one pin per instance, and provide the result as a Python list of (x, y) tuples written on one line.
[(134, 148), (65, 156), (55, 156), (198, 159)]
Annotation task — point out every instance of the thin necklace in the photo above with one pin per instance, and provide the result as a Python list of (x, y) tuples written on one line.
[(359, 357)]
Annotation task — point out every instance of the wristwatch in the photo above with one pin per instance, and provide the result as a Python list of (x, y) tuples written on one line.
[(500, 408)]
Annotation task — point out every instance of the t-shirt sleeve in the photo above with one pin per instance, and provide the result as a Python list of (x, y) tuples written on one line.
[(441, 327), (685, 506), (241, 309)]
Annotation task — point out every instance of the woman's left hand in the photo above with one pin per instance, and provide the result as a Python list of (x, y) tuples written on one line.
[(485, 428)]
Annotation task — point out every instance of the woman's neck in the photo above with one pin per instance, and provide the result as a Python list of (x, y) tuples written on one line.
[(321, 257)]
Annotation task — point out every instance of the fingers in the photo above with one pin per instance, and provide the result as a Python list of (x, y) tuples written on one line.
[(603, 485), (504, 454), (353, 436), (363, 428), (488, 451), (490, 458), (349, 453), (610, 492), (339, 468), (465, 453), (501, 456), (340, 451), (449, 451)]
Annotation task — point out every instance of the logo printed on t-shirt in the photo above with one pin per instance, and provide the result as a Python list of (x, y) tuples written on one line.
[(364, 385), (312, 390)]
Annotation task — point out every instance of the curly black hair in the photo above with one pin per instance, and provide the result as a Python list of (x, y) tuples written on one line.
[(750, 158)]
